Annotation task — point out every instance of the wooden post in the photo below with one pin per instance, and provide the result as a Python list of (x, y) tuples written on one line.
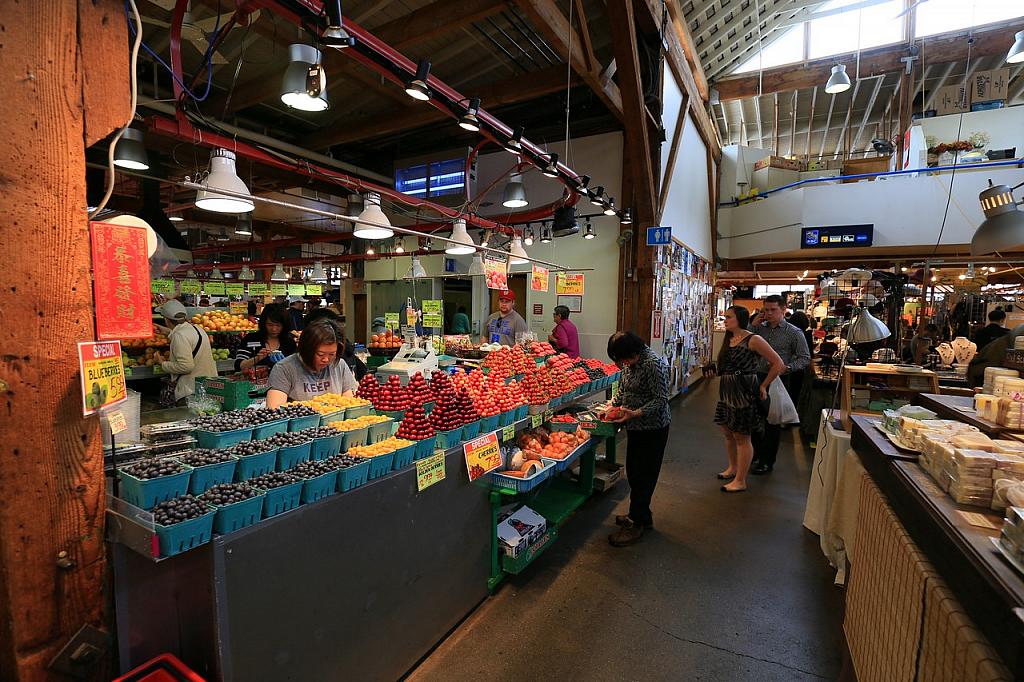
[(65, 85)]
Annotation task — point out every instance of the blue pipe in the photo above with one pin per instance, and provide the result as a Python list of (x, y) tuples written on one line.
[(860, 176)]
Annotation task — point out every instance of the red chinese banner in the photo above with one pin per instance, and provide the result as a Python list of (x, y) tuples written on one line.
[(120, 271)]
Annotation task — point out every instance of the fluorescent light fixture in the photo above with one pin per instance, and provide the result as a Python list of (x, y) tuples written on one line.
[(278, 275), (416, 87), (588, 230), (372, 223), (1003, 227), (517, 254), (515, 193), (304, 85), (839, 81), (550, 168), (515, 143), (416, 270), (130, 151), (462, 243), (318, 274), (1016, 53), (469, 120), (222, 176)]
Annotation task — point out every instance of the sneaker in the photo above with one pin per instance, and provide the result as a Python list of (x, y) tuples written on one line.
[(627, 535)]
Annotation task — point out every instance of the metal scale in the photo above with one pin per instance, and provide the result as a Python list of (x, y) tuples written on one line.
[(414, 357)]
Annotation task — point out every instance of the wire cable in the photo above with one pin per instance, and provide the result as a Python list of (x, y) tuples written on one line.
[(959, 129), (207, 57), (111, 150)]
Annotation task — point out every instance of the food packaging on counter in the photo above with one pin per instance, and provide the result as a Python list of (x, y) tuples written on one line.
[(520, 530)]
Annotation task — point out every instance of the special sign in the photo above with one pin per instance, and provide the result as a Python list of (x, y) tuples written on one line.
[(539, 279), (102, 373), (569, 283), (483, 455), (120, 266)]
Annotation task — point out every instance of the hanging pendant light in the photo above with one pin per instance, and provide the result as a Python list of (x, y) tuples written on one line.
[(627, 216), (1016, 53), (428, 245), (866, 328), (515, 193), (222, 176), (517, 254), (335, 34), (551, 167), (461, 243), (416, 270), (597, 197), (581, 185), (245, 274), (839, 81), (545, 234), (216, 273), (191, 274), (416, 87), (130, 151), (528, 235), (485, 239), (609, 208), (588, 230), (243, 226), (514, 145), (469, 120), (477, 266), (372, 223), (399, 246), (304, 85), (279, 275), (370, 251), (1003, 227), (318, 273), (175, 218)]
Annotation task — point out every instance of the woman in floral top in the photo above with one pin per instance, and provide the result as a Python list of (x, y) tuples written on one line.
[(643, 399)]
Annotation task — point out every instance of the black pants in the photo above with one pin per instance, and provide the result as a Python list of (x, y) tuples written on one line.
[(766, 443), (644, 452)]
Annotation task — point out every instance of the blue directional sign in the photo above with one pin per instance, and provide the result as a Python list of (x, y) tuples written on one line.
[(659, 236)]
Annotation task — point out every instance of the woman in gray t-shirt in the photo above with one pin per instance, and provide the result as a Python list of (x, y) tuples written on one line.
[(317, 368)]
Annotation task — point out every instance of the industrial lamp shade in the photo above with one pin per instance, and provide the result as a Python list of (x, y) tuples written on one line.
[(416, 270), (130, 152), (335, 34), (515, 193), (866, 328), (1016, 53), (417, 87), (517, 254), (245, 274), (279, 275), (222, 176), (839, 81), (372, 223), (1003, 227), (551, 167), (216, 273), (304, 85), (461, 243), (588, 231), (318, 274), (469, 120), (477, 266)]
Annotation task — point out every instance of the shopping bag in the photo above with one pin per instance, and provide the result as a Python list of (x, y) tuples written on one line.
[(781, 410)]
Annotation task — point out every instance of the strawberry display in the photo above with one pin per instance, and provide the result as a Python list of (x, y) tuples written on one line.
[(561, 361), (415, 425), (471, 381), (579, 376), (610, 369), (392, 396), (540, 349), (466, 409), (513, 394), (369, 387), (445, 415), (418, 392), (533, 390)]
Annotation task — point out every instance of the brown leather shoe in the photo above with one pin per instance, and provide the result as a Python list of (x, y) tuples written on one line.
[(626, 536)]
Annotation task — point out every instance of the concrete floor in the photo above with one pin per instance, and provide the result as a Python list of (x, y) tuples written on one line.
[(727, 587)]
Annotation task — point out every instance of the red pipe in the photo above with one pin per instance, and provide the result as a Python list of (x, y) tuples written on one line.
[(569, 197)]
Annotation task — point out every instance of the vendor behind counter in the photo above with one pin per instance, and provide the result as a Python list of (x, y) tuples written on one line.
[(317, 368)]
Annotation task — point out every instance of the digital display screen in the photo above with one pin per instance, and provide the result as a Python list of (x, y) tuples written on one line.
[(836, 236)]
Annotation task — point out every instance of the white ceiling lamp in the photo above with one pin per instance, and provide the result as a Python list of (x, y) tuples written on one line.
[(517, 254), (515, 193), (1016, 53), (318, 273), (278, 275), (399, 246), (588, 231), (866, 328), (416, 270), (216, 273), (839, 81), (222, 176), (416, 87), (175, 218), (245, 274), (477, 266), (304, 85), (370, 251), (372, 223), (461, 243), (550, 168), (130, 152), (470, 120)]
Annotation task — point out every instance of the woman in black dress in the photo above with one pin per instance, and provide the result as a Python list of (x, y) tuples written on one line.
[(737, 412)]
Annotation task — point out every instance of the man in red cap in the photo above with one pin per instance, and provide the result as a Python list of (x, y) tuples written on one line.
[(503, 325)]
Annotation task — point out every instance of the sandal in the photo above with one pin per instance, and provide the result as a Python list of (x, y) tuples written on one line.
[(724, 489), (726, 477)]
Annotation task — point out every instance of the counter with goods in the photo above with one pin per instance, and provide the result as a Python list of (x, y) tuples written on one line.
[(315, 527), (939, 545)]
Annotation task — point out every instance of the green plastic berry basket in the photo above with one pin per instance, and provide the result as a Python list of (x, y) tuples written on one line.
[(282, 498), (356, 438), (232, 517), (147, 493), (251, 466), (269, 429), (303, 423), (424, 448), (353, 476), (293, 454), (375, 433), (328, 446), (316, 489), (216, 440), (380, 465), (181, 537), (205, 477), (404, 457)]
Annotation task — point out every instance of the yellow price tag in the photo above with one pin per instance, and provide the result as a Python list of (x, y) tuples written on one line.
[(430, 470), (482, 454)]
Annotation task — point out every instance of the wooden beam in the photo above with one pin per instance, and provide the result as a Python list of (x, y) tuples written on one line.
[(66, 83), (588, 47), (497, 94), (872, 62), (548, 19), (673, 151), (435, 20), (682, 30)]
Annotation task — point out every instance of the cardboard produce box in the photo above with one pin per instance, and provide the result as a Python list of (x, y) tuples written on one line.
[(777, 162), (952, 99), (990, 85)]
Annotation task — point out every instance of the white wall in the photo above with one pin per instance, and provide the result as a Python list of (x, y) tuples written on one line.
[(1005, 127), (737, 167)]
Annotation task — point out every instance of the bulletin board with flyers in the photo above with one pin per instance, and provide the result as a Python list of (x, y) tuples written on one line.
[(684, 312)]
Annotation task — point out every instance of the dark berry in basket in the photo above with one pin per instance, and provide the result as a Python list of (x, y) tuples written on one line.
[(201, 457), (153, 468), (274, 479), (320, 432), (312, 469), (293, 411), (284, 440), (225, 421), (343, 461), (250, 447), (179, 509), (228, 493)]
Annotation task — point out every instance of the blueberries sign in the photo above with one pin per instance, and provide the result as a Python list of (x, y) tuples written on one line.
[(836, 236)]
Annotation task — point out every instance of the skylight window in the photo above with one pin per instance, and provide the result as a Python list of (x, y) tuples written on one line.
[(839, 33), (787, 49), (944, 16)]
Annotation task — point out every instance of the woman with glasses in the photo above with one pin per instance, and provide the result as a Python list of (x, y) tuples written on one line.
[(317, 368)]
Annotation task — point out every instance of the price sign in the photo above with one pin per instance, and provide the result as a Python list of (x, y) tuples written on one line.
[(569, 283), (433, 320), (190, 286), (214, 288), (257, 289), (536, 420), (296, 289), (410, 317), (432, 307), (615, 388), (162, 285), (548, 414), (235, 289), (314, 289), (279, 289), (482, 454), (391, 320), (429, 471), (101, 373), (508, 433), (238, 307), (497, 273), (539, 279), (117, 422)]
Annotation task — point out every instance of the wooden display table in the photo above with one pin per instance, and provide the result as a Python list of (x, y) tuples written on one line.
[(882, 383), (960, 408)]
